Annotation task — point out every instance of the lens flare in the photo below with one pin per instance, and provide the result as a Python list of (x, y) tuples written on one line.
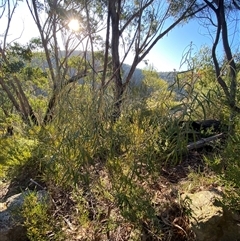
[(74, 25)]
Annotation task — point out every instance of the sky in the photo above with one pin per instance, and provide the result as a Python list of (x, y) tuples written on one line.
[(169, 51), (165, 56)]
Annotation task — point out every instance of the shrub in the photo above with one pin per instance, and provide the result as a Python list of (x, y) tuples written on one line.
[(39, 222), (15, 152)]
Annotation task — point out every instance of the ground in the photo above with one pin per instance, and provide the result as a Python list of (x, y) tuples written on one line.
[(171, 182)]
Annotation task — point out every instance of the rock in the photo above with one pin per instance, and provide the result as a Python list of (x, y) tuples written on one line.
[(11, 228), (10, 224), (210, 221)]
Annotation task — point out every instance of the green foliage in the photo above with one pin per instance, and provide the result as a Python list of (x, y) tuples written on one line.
[(76, 141), (38, 221), (226, 164), (133, 200), (157, 92), (82, 146), (17, 50), (15, 58), (35, 44), (98, 161), (23, 83), (15, 152), (104, 166), (201, 97), (83, 152)]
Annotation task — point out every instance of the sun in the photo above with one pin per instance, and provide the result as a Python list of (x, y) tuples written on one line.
[(74, 25)]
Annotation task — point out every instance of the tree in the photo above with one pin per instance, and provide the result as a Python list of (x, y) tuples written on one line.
[(137, 26), (56, 23), (219, 10), (219, 15), (54, 34), (11, 62), (131, 28)]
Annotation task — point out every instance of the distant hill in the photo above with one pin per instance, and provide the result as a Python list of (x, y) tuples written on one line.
[(136, 78), (138, 75)]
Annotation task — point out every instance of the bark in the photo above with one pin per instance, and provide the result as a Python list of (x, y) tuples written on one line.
[(232, 67), (91, 46), (222, 30), (114, 7), (44, 40), (30, 115), (50, 109), (103, 80), (229, 56), (220, 80), (21, 104), (10, 95)]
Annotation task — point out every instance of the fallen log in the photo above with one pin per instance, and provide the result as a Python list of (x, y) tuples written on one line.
[(203, 142)]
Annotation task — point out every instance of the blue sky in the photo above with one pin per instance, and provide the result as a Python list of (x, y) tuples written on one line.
[(168, 52), (165, 56), (178, 41)]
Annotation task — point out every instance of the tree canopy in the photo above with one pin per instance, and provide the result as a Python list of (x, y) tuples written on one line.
[(108, 33)]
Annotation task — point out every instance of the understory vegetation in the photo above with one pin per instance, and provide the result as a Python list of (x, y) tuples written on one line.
[(113, 147), (106, 179)]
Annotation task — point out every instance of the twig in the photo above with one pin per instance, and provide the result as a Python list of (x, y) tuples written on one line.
[(31, 180)]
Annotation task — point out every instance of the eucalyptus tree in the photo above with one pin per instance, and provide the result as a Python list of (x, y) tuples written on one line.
[(221, 10), (116, 28), (220, 18), (127, 28), (56, 46), (12, 60), (133, 29), (56, 35)]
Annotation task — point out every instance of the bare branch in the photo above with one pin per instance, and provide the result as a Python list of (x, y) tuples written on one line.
[(236, 4), (10, 16)]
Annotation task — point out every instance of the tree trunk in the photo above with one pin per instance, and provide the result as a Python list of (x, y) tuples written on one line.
[(230, 92), (114, 12), (232, 68), (22, 106), (50, 109)]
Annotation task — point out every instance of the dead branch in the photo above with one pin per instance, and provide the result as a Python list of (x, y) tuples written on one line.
[(203, 142)]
